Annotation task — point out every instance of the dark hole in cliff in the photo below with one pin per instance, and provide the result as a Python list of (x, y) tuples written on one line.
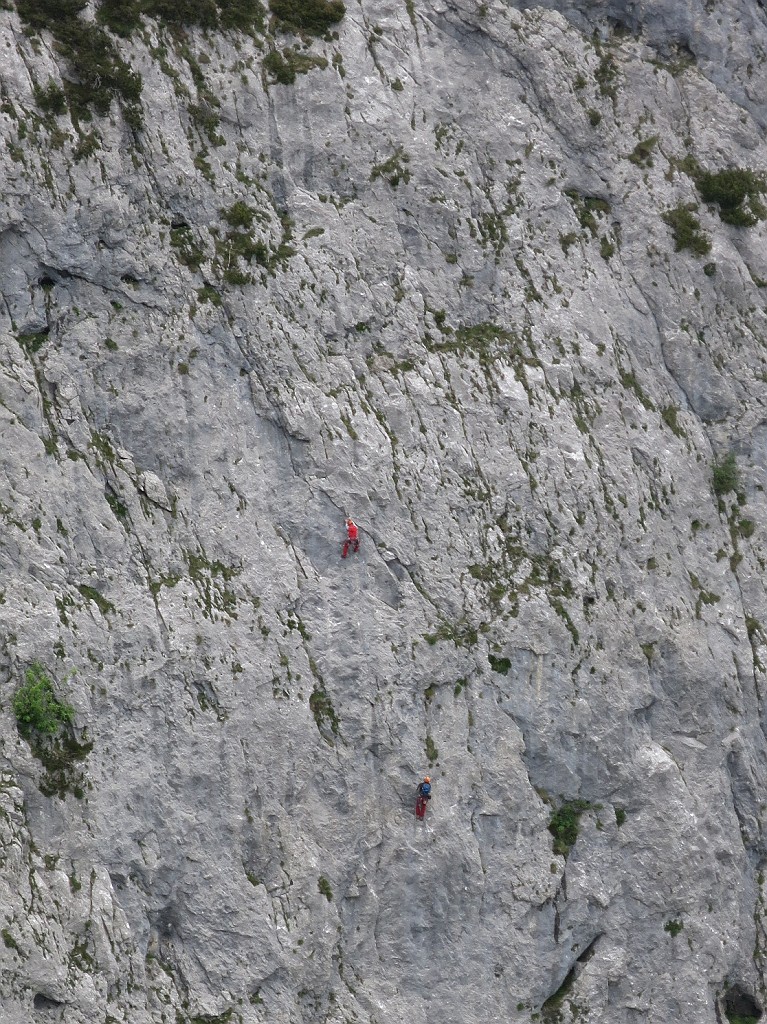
[(46, 282), (45, 1002), (741, 1007)]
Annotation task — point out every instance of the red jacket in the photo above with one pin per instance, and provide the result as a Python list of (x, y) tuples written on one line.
[(351, 530)]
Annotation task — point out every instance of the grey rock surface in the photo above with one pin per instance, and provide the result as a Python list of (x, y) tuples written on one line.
[(450, 307)]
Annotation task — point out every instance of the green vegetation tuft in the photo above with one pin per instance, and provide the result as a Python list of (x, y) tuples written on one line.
[(746, 528), (431, 751), (500, 665), (209, 294), (40, 719), (32, 343), (628, 380), (103, 605), (101, 74), (686, 230), (283, 67), (606, 75), (123, 17), (324, 887), (322, 708), (52, 99), (239, 215), (669, 415), (392, 169), (725, 476), (737, 192), (673, 927), (189, 252), (36, 707), (314, 17), (563, 824), (642, 153), (551, 1011), (587, 209), (734, 1017)]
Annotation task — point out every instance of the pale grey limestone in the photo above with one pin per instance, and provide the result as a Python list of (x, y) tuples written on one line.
[(525, 496)]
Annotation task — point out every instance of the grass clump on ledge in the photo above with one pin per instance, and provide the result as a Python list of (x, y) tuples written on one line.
[(36, 707), (737, 192), (324, 713), (564, 822), (284, 66), (432, 753), (642, 154), (101, 74), (725, 476), (686, 229), (314, 17), (45, 722), (123, 17)]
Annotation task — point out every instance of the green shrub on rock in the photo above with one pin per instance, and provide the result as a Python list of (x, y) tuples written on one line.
[(686, 230), (36, 706), (123, 17), (736, 191), (312, 16), (725, 475), (563, 824)]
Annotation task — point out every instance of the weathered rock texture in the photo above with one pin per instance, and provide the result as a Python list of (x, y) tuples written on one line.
[(463, 322)]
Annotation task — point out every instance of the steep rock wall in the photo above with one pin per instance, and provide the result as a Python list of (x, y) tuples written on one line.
[(430, 285)]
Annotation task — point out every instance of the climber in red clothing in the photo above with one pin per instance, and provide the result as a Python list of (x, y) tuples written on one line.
[(352, 539), (422, 798)]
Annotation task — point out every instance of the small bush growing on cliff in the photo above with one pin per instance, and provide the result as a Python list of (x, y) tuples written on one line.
[(586, 207), (36, 706), (45, 723), (123, 17), (392, 169), (725, 476), (187, 250), (245, 15), (563, 824), (642, 153), (239, 215), (312, 16), (101, 73), (51, 99), (283, 67), (685, 227), (431, 751), (737, 192), (324, 713)]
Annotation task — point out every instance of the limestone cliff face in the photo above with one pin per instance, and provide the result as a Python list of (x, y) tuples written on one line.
[(458, 279)]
